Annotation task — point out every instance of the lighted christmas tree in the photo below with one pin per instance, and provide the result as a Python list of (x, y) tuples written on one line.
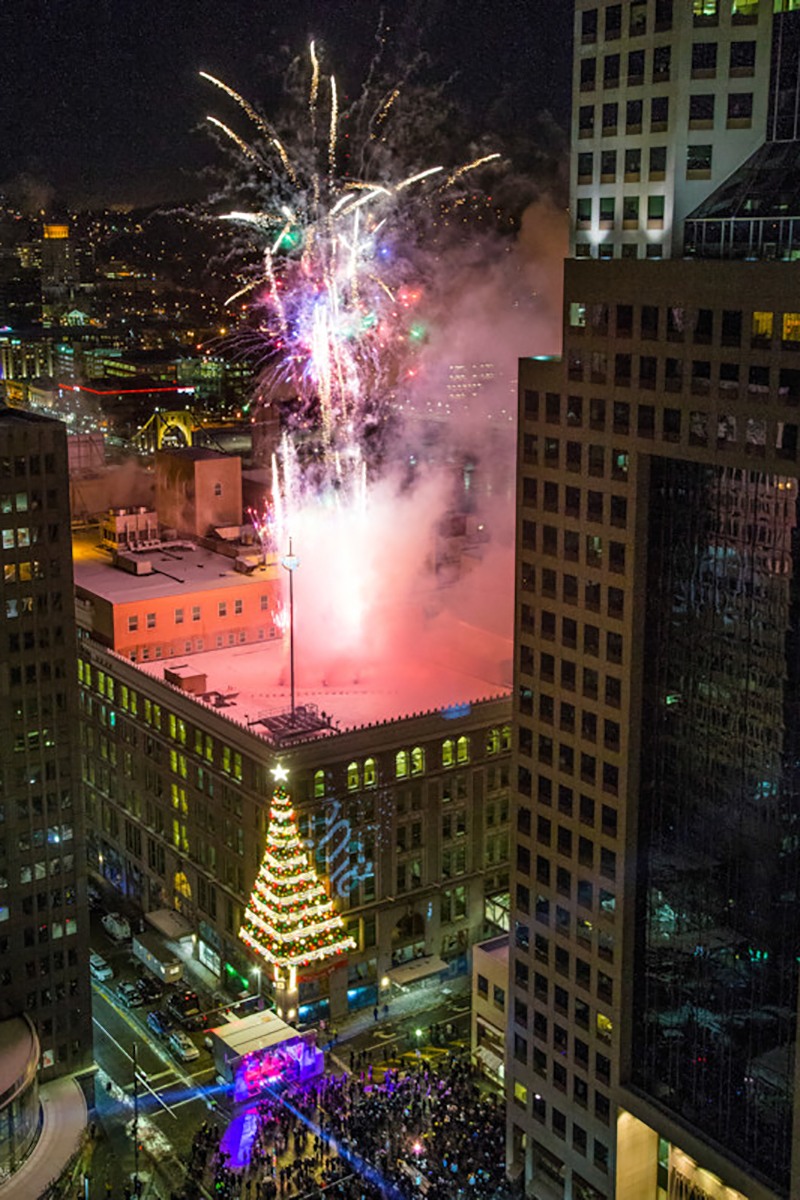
[(290, 921)]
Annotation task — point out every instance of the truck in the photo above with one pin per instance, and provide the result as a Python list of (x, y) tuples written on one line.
[(152, 952), (117, 927)]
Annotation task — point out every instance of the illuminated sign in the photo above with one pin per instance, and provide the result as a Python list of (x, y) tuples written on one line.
[(56, 233)]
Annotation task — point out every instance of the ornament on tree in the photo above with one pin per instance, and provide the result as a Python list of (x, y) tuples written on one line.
[(289, 920)]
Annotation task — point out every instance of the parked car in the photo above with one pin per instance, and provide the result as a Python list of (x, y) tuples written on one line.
[(159, 1022), (129, 995), (184, 1008), (99, 968), (116, 926), (150, 989), (182, 1046)]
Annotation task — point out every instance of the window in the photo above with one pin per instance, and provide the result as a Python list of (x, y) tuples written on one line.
[(740, 110), (401, 764), (133, 624), (151, 620), (237, 607), (588, 73), (222, 608), (659, 114), (196, 612), (610, 116), (704, 60), (655, 211), (370, 774), (586, 120), (661, 64), (742, 59), (698, 162), (217, 489), (178, 616), (658, 162), (448, 752), (633, 164), (353, 777), (611, 71), (613, 22), (701, 111), (633, 116), (585, 167), (635, 68)]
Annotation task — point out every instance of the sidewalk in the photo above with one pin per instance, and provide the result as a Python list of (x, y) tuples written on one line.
[(64, 1119), (407, 1003)]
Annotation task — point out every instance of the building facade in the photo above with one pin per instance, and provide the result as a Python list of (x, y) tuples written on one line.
[(654, 964), (669, 98), (407, 818), (653, 985), (44, 926)]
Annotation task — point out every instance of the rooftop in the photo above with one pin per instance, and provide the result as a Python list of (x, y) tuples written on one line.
[(250, 683), (180, 567)]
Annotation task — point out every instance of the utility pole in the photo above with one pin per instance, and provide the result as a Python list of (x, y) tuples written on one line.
[(290, 563), (135, 1120)]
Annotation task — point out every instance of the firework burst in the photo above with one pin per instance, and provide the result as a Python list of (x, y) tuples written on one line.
[(330, 302)]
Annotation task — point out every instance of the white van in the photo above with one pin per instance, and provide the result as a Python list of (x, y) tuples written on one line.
[(99, 968)]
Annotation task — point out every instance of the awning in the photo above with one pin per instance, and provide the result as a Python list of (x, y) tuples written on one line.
[(415, 969), (491, 1061), (169, 923)]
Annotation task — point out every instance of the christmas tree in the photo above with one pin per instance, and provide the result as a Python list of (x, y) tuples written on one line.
[(290, 921)]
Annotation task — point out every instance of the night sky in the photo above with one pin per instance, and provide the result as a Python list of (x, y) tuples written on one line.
[(101, 102)]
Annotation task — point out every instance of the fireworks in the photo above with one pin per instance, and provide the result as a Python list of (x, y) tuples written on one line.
[(335, 310), (331, 296)]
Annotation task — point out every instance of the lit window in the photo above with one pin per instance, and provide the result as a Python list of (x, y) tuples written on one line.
[(370, 773), (401, 764), (462, 750), (319, 784), (448, 752), (353, 777), (417, 760)]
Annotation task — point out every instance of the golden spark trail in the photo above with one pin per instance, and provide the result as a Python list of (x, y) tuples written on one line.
[(416, 178), (312, 99), (334, 119), (242, 145), (254, 283), (478, 162), (246, 107)]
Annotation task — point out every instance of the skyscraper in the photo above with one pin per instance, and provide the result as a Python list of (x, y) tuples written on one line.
[(44, 928), (654, 959)]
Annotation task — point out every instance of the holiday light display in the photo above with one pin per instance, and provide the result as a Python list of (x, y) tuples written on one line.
[(290, 921)]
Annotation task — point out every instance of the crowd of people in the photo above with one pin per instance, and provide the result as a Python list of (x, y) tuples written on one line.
[(426, 1131)]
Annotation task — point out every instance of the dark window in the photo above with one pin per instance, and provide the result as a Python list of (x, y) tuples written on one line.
[(659, 113), (704, 60), (635, 68)]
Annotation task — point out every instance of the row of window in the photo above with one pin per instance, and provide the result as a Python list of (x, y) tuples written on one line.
[(644, 17), (632, 165), (572, 501), (413, 762), (608, 70), (611, 249), (586, 814), (20, 466), (703, 326), (570, 545), (224, 607), (593, 459)]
